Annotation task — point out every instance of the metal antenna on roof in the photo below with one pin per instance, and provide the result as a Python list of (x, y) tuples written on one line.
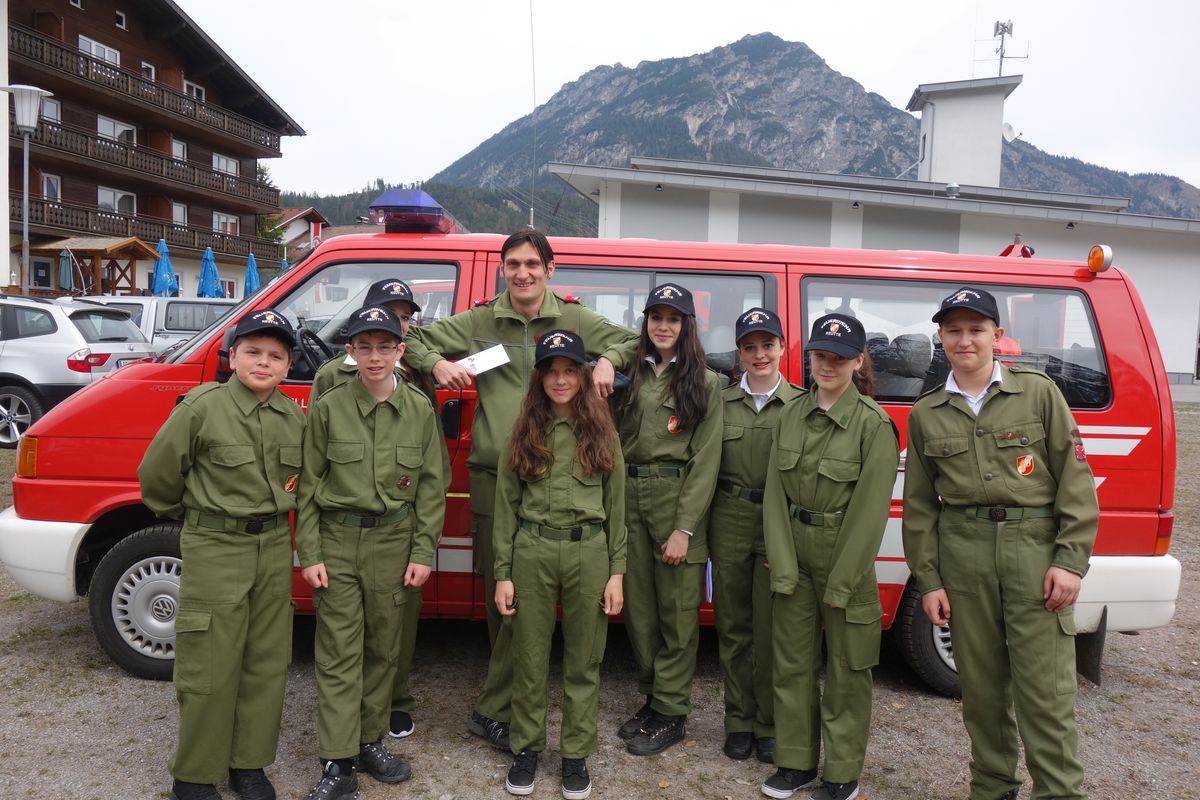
[(533, 116), (1003, 29)]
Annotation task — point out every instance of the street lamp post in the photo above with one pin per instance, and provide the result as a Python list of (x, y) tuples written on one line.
[(27, 105)]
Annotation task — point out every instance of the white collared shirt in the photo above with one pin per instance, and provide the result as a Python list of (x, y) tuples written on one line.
[(760, 398), (974, 402)]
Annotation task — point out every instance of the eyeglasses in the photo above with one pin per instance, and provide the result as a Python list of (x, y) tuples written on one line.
[(364, 350)]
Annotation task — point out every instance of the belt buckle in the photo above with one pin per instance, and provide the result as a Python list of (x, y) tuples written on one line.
[(576, 534), (254, 526), (997, 513), (805, 516), (368, 522), (756, 495)]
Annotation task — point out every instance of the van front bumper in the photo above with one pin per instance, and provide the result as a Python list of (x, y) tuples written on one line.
[(40, 555), (1138, 591)]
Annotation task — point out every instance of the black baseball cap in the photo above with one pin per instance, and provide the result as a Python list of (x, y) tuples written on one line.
[(673, 295), (757, 320), (840, 334), (268, 322), (389, 291), (976, 300), (373, 318), (559, 343)]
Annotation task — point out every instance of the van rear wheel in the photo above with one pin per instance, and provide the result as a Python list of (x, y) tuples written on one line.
[(133, 599), (924, 646)]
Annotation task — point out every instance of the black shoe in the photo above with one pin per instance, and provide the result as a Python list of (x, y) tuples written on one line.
[(1011, 794), (251, 784), (766, 749), (786, 782), (631, 726), (495, 731), (337, 781), (400, 725), (375, 760), (659, 733), (576, 782), (182, 790), (739, 745), (522, 773), (836, 791)]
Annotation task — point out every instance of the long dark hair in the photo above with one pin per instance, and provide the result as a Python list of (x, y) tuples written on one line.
[(687, 382), (864, 377), (595, 449)]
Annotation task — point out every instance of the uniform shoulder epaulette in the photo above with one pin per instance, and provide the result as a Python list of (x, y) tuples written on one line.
[(925, 394), (483, 301), (415, 392), (875, 407), (732, 391), (570, 298), (198, 392), (1017, 369)]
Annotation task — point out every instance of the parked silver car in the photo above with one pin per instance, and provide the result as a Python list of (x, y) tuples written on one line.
[(50, 348), (168, 320)]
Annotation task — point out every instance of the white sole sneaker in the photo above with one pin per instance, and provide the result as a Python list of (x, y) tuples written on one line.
[(582, 794), (519, 791)]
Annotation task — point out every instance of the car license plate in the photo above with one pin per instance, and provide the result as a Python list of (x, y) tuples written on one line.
[(123, 361)]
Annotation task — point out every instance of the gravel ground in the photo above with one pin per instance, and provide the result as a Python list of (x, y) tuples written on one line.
[(72, 725)]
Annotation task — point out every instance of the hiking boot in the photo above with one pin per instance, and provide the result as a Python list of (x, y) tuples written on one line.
[(251, 784), (739, 745), (493, 730), (521, 773), (766, 749), (375, 760), (786, 782), (576, 782), (836, 791), (657, 734), (400, 725), (337, 781), (631, 726), (182, 790)]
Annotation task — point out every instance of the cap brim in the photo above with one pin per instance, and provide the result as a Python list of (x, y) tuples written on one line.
[(682, 309), (837, 348), (394, 331), (578, 359), (941, 314), (777, 333)]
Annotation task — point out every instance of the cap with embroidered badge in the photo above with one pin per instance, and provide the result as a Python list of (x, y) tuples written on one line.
[(972, 299), (673, 295), (757, 320), (559, 343), (267, 321), (373, 318), (389, 291), (840, 334)]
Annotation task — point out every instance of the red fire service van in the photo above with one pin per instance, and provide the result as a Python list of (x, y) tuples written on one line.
[(78, 526)]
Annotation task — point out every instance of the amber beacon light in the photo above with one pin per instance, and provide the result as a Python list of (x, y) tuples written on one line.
[(1099, 258)]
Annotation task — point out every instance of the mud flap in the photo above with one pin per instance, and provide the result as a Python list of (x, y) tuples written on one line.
[(1089, 650)]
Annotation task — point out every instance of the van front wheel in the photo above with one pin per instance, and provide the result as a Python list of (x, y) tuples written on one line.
[(133, 599), (924, 646)]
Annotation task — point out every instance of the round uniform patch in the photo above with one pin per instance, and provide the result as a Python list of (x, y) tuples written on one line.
[(404, 482), (1025, 465), (673, 424)]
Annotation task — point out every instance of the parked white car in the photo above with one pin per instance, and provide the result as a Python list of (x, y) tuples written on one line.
[(167, 320)]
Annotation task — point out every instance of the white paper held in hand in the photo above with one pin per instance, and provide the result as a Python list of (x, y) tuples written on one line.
[(495, 356)]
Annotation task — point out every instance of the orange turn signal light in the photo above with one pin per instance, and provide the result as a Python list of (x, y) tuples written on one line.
[(27, 457), (1099, 258)]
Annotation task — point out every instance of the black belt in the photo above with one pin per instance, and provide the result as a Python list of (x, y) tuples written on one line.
[(236, 524), (753, 495), (830, 518), (1004, 513), (667, 469), (576, 534), (356, 520)]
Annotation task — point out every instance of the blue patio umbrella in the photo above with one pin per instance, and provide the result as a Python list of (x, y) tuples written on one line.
[(210, 279), (66, 273), (252, 282), (164, 276)]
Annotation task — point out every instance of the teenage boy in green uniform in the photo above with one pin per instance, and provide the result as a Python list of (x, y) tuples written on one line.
[(226, 462), (371, 508), (1000, 515), (516, 318)]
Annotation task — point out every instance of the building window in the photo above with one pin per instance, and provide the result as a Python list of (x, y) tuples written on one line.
[(230, 288), (51, 110), (100, 51), (51, 187), (178, 150), (116, 200), (116, 130), (226, 164), (121, 20), (194, 91), (149, 71), (179, 214), (225, 223), (40, 277)]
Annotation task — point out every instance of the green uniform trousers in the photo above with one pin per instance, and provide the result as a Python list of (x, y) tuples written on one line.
[(543, 569), (662, 602), (495, 701), (841, 717), (233, 642), (1010, 651), (359, 621), (402, 699), (742, 604)]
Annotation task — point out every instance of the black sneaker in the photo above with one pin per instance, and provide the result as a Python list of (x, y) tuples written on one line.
[(766, 749), (400, 725), (631, 726), (836, 791), (251, 784), (375, 760), (521, 773), (576, 783), (1011, 794), (493, 730), (786, 782), (659, 733), (337, 781), (182, 790), (739, 745)]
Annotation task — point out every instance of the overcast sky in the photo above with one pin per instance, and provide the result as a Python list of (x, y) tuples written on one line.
[(398, 89)]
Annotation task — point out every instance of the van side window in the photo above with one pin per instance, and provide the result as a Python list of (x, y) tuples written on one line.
[(1051, 330), (182, 316)]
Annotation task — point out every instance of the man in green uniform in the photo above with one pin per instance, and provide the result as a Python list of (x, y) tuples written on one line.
[(226, 462), (515, 319), (1000, 515), (371, 508)]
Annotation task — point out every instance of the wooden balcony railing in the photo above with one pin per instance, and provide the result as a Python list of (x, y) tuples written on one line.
[(76, 218), (33, 46)]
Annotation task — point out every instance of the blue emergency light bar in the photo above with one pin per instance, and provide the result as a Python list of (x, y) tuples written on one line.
[(412, 211)]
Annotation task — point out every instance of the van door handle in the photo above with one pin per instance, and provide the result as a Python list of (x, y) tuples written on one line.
[(450, 419)]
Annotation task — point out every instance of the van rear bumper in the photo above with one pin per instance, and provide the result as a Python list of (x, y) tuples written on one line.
[(1139, 592), (40, 555)]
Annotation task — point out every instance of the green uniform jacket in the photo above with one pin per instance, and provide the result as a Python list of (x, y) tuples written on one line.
[(563, 498), (844, 459), (1024, 426), (223, 452), (750, 433), (372, 457), (647, 436), (501, 389)]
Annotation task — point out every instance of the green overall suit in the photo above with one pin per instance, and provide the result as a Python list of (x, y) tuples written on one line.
[(1016, 497), (829, 487), (227, 465), (562, 534), (672, 477), (371, 501), (741, 583), (499, 400)]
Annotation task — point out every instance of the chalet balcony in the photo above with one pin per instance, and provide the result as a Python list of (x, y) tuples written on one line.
[(61, 61), (67, 219)]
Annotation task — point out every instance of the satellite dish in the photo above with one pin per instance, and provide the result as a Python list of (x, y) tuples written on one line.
[(1009, 132)]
